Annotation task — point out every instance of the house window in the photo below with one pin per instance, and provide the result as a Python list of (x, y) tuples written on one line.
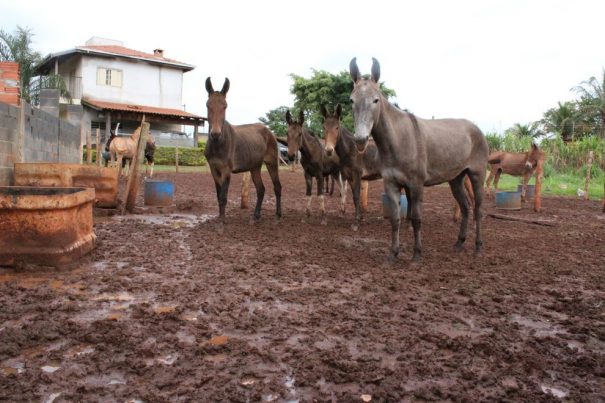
[(110, 77)]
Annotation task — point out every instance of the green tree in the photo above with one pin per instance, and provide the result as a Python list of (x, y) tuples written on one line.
[(16, 47), (519, 130), (323, 88), (561, 120), (275, 119), (592, 94)]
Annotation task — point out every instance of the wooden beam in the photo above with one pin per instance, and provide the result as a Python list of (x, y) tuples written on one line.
[(132, 186), (549, 223)]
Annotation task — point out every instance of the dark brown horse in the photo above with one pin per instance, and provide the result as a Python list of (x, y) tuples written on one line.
[(516, 164), (354, 166), (233, 149), (316, 164), (415, 153)]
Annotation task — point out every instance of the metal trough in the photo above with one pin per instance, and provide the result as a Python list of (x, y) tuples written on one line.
[(508, 200), (103, 180), (529, 192), (41, 225)]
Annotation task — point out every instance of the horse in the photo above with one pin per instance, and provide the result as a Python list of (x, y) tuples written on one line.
[(123, 148), (242, 148), (316, 164), (149, 154), (354, 166), (415, 153), (516, 164)]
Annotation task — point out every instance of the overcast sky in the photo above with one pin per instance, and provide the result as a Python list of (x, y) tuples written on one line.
[(494, 62)]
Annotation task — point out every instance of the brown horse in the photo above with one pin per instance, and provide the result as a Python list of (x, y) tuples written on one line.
[(123, 148), (316, 164), (233, 149), (354, 166), (415, 153), (516, 164)]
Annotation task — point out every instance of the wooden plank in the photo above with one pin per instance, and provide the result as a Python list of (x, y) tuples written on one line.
[(134, 178), (88, 147), (548, 223)]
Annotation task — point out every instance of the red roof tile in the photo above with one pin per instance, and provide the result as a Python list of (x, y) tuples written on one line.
[(114, 106), (122, 51)]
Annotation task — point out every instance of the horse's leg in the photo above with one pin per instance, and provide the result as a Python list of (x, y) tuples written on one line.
[(356, 189), (457, 187), (333, 181), (497, 179), (221, 184), (343, 194), (393, 194), (320, 195), (120, 157), (260, 192), (476, 179), (151, 169), (415, 199), (308, 193), (488, 182), (273, 170), (526, 177)]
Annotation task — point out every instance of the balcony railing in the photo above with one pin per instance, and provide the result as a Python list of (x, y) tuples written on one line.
[(69, 90)]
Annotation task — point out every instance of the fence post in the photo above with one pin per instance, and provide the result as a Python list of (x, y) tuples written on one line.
[(588, 168), (88, 147), (99, 152), (538, 190), (176, 158)]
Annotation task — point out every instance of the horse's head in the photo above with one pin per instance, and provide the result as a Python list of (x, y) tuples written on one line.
[(366, 102), (217, 106), (331, 128), (295, 133), (533, 156), (112, 135)]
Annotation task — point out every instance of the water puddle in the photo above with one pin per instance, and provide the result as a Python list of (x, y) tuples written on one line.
[(168, 360), (51, 398), (12, 367), (78, 351), (114, 378), (49, 369), (540, 328), (175, 221)]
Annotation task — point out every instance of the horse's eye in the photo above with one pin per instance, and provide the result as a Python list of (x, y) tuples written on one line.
[(376, 101), (351, 99)]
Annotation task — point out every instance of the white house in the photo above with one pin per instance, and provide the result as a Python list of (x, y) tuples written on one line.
[(115, 84)]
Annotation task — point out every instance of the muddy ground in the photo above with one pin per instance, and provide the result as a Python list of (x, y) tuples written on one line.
[(167, 309)]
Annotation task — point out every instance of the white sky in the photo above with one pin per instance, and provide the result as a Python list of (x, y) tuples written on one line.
[(493, 62)]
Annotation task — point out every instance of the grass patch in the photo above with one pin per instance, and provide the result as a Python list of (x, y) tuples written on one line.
[(557, 185)]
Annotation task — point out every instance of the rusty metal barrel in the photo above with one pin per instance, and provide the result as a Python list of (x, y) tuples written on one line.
[(45, 225), (159, 193)]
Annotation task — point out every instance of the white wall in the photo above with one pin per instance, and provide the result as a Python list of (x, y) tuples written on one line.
[(142, 83)]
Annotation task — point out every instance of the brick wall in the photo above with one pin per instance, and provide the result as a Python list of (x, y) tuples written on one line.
[(9, 83)]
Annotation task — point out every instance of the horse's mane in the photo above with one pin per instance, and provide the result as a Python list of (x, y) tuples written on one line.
[(414, 121)]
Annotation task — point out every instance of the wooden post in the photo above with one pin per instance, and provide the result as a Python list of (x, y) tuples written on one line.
[(88, 147), (588, 168), (195, 137), (245, 190), (538, 191), (176, 158), (604, 196), (132, 186), (364, 195), (99, 152)]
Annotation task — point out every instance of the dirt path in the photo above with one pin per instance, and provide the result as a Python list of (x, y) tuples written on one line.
[(166, 309)]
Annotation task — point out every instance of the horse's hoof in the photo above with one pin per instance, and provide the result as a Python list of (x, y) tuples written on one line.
[(416, 259), (277, 220), (392, 259), (355, 227), (220, 228), (458, 247)]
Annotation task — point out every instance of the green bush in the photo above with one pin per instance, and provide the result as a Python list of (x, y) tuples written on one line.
[(165, 155)]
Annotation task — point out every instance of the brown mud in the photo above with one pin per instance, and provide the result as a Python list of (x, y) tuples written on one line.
[(167, 309)]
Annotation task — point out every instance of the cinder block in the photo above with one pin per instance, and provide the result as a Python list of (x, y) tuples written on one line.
[(6, 176), (6, 147)]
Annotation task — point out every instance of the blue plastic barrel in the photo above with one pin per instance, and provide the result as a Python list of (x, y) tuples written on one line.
[(403, 206), (508, 200), (159, 193), (530, 191)]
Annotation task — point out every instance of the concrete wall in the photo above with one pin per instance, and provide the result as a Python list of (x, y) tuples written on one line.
[(43, 138)]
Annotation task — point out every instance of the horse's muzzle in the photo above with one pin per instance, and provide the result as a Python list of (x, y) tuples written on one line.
[(291, 157), (329, 151), (361, 145)]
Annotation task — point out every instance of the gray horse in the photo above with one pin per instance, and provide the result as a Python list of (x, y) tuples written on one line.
[(415, 153)]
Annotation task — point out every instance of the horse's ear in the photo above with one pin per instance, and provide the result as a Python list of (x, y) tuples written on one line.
[(209, 86), (301, 117), (225, 87), (288, 117), (338, 110), (534, 146), (324, 111), (375, 70), (354, 70)]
